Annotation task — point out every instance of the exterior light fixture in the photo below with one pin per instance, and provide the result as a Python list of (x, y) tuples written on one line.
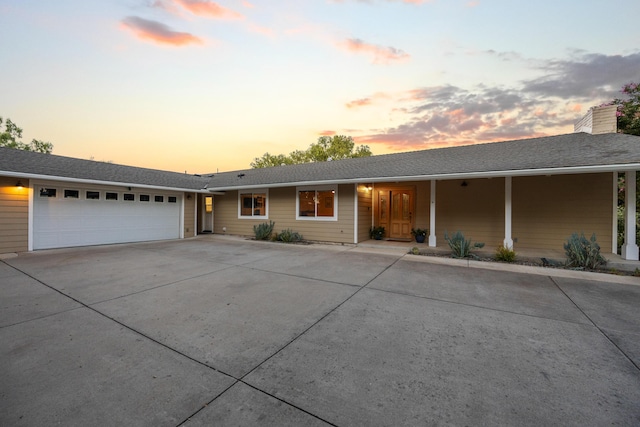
[(19, 184), (464, 184)]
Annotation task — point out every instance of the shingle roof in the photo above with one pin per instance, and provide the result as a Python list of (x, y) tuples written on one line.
[(30, 163), (555, 152)]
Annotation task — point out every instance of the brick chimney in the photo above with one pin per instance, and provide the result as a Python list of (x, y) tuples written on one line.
[(598, 120)]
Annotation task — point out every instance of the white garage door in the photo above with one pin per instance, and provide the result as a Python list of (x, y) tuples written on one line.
[(73, 216)]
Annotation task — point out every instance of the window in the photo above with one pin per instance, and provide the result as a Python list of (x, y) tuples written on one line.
[(158, 199), (93, 195), (317, 203), (128, 197), (144, 197), (208, 204), (47, 192), (71, 194), (172, 199), (111, 196), (252, 205)]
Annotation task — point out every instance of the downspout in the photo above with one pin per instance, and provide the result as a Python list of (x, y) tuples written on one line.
[(355, 214)]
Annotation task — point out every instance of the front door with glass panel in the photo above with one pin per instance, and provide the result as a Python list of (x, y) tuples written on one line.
[(395, 212)]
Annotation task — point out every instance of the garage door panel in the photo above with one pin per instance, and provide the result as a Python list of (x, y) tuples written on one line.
[(59, 222)]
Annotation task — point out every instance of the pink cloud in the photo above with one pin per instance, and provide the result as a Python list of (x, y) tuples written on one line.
[(327, 133), (358, 103), (209, 9), (157, 32), (381, 54)]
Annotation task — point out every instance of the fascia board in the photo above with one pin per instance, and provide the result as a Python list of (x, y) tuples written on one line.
[(443, 177), (98, 182)]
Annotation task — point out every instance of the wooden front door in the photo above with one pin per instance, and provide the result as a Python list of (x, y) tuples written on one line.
[(395, 212)]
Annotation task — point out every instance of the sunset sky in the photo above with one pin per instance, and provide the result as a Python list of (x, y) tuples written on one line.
[(202, 86)]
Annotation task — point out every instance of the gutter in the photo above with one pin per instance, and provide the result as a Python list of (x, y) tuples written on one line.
[(446, 176), (100, 182)]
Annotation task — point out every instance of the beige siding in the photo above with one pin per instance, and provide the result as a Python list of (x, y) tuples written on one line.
[(423, 198), (190, 201), (547, 210), (14, 216), (365, 212), (282, 211), (477, 210)]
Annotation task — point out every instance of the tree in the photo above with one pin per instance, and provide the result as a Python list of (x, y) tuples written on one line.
[(629, 109), (326, 149), (9, 138)]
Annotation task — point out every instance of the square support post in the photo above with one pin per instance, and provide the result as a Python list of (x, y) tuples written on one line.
[(432, 215), (630, 247), (508, 239)]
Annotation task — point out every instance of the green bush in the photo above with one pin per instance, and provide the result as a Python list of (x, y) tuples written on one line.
[(263, 231), (376, 232), (505, 254), (461, 247), (289, 236), (583, 253)]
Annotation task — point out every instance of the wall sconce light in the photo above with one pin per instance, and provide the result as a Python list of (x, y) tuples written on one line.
[(19, 184), (188, 196), (369, 186), (464, 184)]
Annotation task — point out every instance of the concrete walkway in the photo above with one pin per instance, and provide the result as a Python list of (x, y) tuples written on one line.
[(223, 331)]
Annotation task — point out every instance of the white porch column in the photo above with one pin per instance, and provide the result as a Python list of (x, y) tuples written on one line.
[(508, 239), (432, 215), (630, 248), (614, 216)]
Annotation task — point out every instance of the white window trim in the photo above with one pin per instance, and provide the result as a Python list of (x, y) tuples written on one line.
[(333, 188), (264, 191)]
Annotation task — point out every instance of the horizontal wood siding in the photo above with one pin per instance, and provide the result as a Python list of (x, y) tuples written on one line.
[(423, 199), (365, 212), (547, 210), (14, 215), (477, 210), (282, 211), (190, 200)]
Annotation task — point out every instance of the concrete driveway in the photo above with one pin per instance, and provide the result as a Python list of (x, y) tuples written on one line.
[(218, 331)]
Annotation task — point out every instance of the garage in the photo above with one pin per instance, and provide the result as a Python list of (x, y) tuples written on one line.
[(81, 215)]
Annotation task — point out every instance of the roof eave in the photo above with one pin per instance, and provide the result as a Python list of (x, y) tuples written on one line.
[(447, 176), (99, 182)]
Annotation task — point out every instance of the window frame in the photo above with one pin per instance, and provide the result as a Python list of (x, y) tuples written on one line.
[(67, 194), (45, 192), (93, 192), (254, 192), (318, 188)]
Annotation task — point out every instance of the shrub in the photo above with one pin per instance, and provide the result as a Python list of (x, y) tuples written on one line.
[(505, 254), (419, 231), (460, 247), (583, 253), (415, 250), (289, 236), (263, 231), (376, 232)]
